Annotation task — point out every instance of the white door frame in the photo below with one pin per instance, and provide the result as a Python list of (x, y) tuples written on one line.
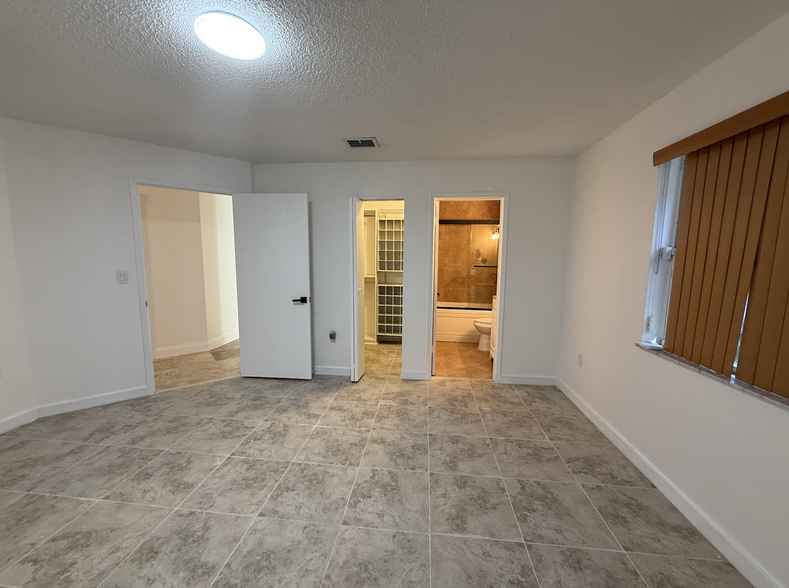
[(356, 249), (352, 297), (139, 257), (503, 197)]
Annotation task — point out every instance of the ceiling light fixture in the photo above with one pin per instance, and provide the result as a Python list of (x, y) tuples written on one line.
[(229, 35)]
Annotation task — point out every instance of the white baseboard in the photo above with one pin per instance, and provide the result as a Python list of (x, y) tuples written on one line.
[(325, 370), (174, 350), (414, 376), (528, 380), (223, 339), (28, 416), (741, 559), (458, 337)]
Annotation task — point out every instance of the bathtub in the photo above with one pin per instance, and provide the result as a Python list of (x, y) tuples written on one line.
[(457, 324)]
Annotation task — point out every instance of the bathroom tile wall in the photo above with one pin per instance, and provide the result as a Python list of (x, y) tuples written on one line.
[(461, 247)]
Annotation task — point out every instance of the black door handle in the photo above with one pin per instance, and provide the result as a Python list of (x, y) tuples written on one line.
[(302, 300)]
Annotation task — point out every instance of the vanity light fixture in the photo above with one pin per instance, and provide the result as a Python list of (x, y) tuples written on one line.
[(229, 35)]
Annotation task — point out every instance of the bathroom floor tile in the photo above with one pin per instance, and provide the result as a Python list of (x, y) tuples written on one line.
[(530, 460), (311, 492), (396, 450), (274, 440), (374, 557), (643, 520), (674, 572), (334, 446), (568, 567), (558, 513), (7, 498), (238, 486), (462, 455), (188, 549), (389, 499), (471, 505), (85, 551), (277, 553), (463, 562)]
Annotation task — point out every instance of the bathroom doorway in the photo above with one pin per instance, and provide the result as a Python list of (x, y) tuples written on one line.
[(468, 244), (378, 230), (190, 280)]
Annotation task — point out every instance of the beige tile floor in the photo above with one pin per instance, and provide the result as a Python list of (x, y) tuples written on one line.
[(197, 368), (463, 360), (385, 483)]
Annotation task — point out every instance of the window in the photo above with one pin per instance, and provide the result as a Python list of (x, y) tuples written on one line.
[(718, 293)]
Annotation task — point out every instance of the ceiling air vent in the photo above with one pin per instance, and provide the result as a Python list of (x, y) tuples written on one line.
[(358, 142)]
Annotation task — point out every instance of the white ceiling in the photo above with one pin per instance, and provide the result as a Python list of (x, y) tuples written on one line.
[(432, 79)]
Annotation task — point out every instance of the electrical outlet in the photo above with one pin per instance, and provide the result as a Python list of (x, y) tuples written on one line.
[(580, 360), (333, 336), (122, 277)]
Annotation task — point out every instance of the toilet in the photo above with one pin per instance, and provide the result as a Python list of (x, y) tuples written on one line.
[(484, 334)]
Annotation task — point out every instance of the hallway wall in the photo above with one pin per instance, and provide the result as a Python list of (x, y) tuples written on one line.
[(69, 199)]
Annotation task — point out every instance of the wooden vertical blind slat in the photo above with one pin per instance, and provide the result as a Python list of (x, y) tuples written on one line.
[(764, 324), (781, 381), (725, 237), (695, 203), (696, 311), (761, 187), (691, 164), (736, 255)]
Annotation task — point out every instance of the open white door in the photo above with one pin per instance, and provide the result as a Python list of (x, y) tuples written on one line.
[(436, 204), (273, 276), (357, 295)]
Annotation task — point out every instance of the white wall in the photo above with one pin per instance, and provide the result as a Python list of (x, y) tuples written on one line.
[(539, 208), (219, 268), (174, 270), (69, 195), (724, 450)]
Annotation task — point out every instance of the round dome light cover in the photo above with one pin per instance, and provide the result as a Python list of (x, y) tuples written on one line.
[(229, 35)]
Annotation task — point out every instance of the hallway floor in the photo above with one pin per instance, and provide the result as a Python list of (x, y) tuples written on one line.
[(197, 368), (463, 360), (451, 482)]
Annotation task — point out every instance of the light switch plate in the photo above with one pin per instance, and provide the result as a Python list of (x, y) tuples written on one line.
[(123, 277)]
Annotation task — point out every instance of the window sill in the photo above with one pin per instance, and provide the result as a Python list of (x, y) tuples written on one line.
[(764, 395)]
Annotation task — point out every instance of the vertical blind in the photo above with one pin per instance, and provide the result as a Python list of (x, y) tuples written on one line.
[(732, 253)]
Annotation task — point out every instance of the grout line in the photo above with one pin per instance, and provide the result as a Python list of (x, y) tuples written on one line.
[(506, 491), (353, 486)]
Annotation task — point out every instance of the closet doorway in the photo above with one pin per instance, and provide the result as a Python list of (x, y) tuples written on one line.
[(377, 253), (190, 280), (468, 264)]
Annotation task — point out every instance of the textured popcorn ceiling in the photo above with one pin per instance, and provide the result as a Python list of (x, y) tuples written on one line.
[(432, 79)]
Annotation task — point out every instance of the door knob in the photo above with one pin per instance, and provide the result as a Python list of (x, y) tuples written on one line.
[(302, 300)]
